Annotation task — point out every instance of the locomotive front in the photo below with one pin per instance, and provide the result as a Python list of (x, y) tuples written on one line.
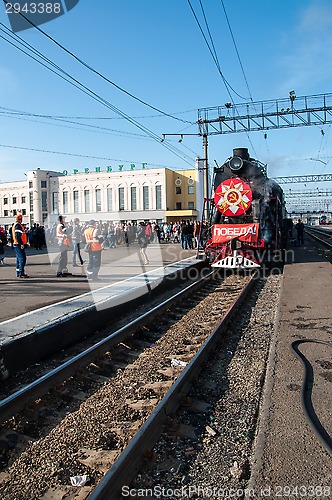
[(247, 214)]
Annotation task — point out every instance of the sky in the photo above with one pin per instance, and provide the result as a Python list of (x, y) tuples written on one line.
[(155, 71)]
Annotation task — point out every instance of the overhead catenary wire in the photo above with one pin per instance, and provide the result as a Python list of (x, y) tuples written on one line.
[(63, 123), (73, 81), (214, 57), (76, 83), (79, 155), (100, 117), (13, 113), (324, 140), (211, 39), (90, 68), (216, 61), (236, 49)]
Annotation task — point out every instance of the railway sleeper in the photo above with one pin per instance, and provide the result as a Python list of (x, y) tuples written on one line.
[(140, 344), (171, 373), (176, 429), (195, 405), (142, 404), (159, 386), (101, 460)]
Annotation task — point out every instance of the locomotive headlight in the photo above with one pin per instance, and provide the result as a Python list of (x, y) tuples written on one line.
[(235, 163)]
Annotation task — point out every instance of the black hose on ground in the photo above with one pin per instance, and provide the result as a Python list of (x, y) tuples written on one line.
[(306, 392)]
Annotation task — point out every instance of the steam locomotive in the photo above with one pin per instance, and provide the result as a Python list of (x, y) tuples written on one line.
[(248, 224)]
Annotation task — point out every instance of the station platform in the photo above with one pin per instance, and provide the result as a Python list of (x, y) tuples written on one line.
[(44, 313), (291, 459)]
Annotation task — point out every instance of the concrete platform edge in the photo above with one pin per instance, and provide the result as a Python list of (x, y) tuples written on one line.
[(19, 351), (264, 411)]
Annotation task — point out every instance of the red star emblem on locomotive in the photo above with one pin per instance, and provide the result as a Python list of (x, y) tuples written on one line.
[(233, 197)]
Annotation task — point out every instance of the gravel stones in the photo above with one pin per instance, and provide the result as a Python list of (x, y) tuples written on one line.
[(231, 388)]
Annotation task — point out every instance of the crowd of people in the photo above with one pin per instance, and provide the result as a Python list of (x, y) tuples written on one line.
[(114, 234), (96, 236)]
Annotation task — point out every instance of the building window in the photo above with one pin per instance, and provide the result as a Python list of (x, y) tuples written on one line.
[(191, 205), (65, 202), (76, 202), (44, 201), (178, 205), (146, 204), (24, 212), (5, 213), (158, 197), (23, 199), (14, 212), (43, 184), (98, 200), (55, 202), (30, 184), (31, 202), (109, 200), (14, 200), (177, 190), (191, 190), (86, 201), (121, 198), (5, 201), (133, 198)]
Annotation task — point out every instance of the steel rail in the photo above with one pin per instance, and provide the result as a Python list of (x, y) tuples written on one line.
[(311, 232), (319, 230), (14, 403), (127, 465)]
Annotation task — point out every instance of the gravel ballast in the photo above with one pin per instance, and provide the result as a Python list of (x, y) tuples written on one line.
[(218, 456)]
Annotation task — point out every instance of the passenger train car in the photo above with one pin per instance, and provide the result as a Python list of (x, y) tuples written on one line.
[(248, 224)]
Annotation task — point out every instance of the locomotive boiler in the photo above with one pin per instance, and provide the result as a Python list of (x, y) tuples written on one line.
[(247, 220)]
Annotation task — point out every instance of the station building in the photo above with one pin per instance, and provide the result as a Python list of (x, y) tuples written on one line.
[(155, 194)]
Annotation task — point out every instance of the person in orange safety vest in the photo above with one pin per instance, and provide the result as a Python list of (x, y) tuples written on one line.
[(92, 239), (64, 244), (20, 240)]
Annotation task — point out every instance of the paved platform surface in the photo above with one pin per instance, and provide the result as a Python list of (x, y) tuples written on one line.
[(290, 460), (44, 288), (43, 313)]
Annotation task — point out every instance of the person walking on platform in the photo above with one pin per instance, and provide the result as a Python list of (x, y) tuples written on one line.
[(64, 244), (20, 240), (3, 243), (92, 239), (11, 237), (149, 232), (197, 234), (143, 240), (76, 239), (299, 231)]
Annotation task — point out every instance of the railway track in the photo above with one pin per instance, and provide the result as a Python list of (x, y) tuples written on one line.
[(321, 235), (77, 420), (324, 239)]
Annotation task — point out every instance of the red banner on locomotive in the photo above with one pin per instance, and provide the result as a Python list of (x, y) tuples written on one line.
[(222, 233)]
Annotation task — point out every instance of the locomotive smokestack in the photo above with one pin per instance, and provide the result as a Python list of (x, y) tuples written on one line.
[(242, 153)]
